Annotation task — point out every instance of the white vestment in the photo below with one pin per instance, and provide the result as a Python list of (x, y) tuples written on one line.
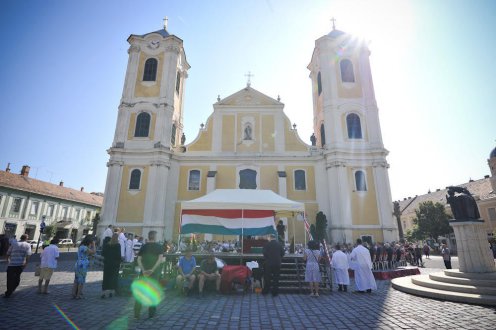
[(107, 233), (364, 279), (340, 265), (129, 255), (122, 242)]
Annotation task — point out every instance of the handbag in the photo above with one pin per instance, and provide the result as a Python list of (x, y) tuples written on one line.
[(37, 270)]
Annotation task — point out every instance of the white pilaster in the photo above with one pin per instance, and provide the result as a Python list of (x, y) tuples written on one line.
[(111, 196)]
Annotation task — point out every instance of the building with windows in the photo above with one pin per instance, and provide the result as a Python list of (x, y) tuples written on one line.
[(249, 143), (483, 191), (24, 200)]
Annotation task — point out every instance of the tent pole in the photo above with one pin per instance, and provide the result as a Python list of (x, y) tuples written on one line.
[(294, 234), (242, 235), (304, 232)]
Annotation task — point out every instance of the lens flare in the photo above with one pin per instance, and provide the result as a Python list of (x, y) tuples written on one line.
[(147, 291), (68, 320)]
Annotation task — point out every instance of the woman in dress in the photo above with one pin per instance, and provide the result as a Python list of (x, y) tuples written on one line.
[(111, 263), (86, 249), (312, 270)]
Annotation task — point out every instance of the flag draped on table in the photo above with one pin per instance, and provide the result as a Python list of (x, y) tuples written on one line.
[(228, 222)]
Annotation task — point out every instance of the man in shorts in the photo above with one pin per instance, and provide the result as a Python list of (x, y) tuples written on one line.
[(208, 272), (48, 264)]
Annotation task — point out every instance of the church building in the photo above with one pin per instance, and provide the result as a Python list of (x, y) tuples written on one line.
[(248, 143)]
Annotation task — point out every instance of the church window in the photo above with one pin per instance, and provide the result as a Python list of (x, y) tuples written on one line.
[(319, 83), (173, 137), (150, 72), (361, 184), (134, 182), (142, 125), (178, 82), (354, 127), (194, 180), (347, 74), (322, 135), (247, 179), (300, 181), (248, 133)]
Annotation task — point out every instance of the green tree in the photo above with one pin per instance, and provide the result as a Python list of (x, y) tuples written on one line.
[(49, 232), (431, 220), (320, 226), (96, 220)]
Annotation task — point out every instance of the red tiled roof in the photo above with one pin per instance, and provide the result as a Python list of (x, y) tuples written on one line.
[(19, 182), (480, 189)]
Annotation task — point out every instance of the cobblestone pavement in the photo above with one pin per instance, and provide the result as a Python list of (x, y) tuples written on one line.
[(383, 309)]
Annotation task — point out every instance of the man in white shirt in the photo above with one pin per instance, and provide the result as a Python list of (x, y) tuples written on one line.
[(364, 278), (17, 256), (340, 265), (48, 264), (108, 232)]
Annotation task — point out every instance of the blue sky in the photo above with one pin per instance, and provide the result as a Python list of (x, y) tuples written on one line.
[(63, 63)]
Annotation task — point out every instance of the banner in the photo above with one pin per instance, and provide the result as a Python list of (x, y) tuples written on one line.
[(228, 222)]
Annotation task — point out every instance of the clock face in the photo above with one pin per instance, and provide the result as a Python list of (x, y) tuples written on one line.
[(154, 44)]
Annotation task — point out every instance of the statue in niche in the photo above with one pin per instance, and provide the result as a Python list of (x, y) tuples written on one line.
[(313, 139), (247, 133), (183, 139), (463, 205)]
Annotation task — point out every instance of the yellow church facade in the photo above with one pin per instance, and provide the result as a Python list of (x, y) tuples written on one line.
[(248, 143)]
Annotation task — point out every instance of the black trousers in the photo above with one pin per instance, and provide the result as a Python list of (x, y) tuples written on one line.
[(13, 278), (152, 310), (447, 263), (271, 278)]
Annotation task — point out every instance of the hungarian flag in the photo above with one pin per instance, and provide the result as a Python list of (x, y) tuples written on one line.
[(228, 222), (307, 227)]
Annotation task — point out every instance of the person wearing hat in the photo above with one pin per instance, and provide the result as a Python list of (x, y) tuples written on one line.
[(273, 253)]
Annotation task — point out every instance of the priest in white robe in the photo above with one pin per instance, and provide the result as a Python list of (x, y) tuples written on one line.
[(122, 242), (340, 266), (129, 254), (364, 279)]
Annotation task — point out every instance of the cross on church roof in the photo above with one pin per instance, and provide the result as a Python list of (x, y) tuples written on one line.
[(249, 75), (166, 20), (333, 20)]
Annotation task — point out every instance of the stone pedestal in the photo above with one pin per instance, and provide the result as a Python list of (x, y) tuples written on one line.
[(474, 255)]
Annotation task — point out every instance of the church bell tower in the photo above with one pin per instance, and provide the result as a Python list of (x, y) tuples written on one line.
[(148, 132), (346, 125)]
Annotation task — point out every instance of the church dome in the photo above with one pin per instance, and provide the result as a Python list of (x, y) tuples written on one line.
[(162, 32), (493, 153), (336, 33)]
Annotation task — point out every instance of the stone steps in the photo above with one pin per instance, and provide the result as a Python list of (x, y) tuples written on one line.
[(452, 285), (426, 281), (441, 277)]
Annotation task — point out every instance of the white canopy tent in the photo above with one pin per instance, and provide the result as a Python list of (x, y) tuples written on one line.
[(235, 212), (246, 199)]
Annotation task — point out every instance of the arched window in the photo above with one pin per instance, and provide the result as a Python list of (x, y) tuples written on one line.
[(322, 135), (347, 74), (354, 127), (150, 72), (173, 137), (194, 180), (319, 83), (178, 81), (247, 179), (142, 125), (134, 182), (300, 181), (360, 183)]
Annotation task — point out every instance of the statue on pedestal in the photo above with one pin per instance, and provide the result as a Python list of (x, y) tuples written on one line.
[(463, 204), (313, 139)]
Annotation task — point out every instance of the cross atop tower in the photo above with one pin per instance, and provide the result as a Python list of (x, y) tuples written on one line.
[(333, 20), (249, 75), (166, 20)]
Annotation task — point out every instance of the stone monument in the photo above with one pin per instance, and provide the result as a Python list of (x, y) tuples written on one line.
[(474, 255)]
